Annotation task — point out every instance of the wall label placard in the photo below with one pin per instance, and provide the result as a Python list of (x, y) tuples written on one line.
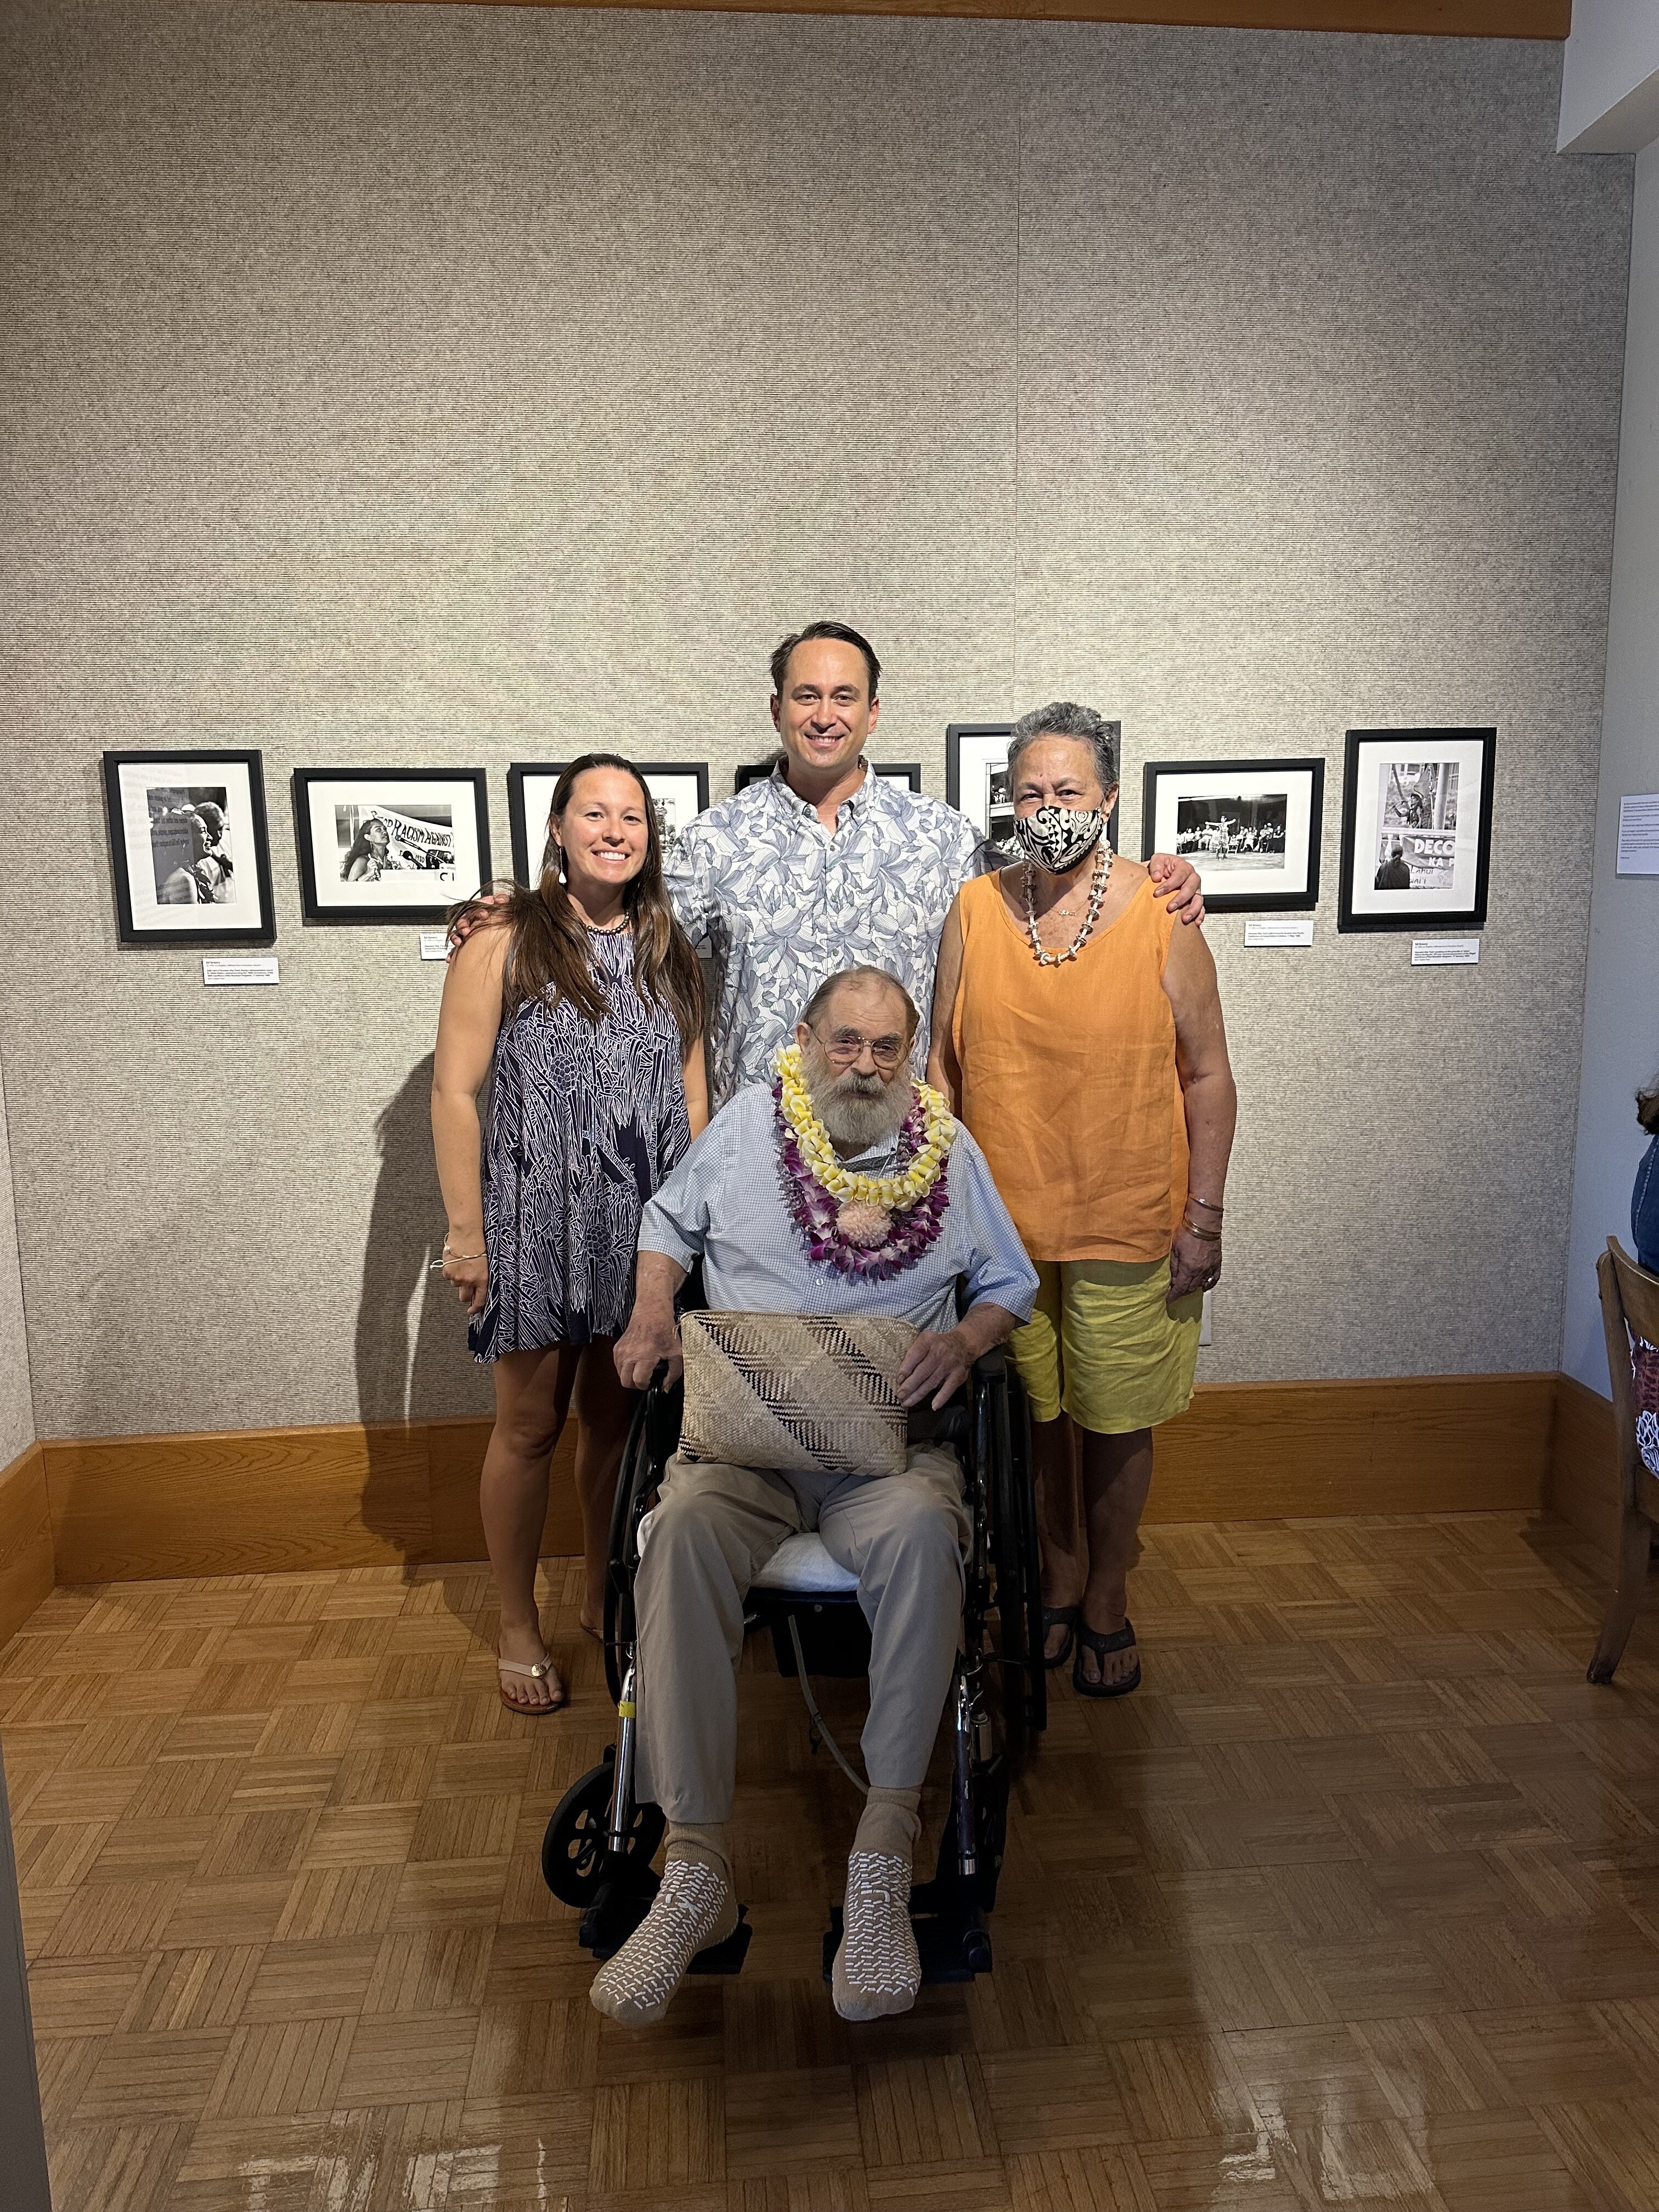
[(1279, 929), (1638, 834), (434, 944), (262, 970), (1445, 951)]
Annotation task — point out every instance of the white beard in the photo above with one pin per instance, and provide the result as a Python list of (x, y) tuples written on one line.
[(858, 1112)]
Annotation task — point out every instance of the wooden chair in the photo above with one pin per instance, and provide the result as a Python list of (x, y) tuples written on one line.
[(1630, 1308)]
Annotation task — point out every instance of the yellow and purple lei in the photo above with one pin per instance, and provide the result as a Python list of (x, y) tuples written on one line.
[(867, 1226)]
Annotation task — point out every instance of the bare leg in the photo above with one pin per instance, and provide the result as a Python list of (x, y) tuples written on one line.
[(532, 1396), (1117, 1473), (1053, 1464), (603, 1410)]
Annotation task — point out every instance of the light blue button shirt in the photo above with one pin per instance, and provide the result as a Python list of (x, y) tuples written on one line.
[(725, 1204), (781, 905)]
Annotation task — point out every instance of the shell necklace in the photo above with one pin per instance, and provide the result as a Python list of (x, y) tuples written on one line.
[(1098, 882)]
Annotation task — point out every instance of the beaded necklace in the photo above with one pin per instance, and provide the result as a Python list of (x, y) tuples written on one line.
[(1098, 882)]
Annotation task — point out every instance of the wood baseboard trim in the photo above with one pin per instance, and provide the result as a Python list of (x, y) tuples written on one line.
[(272, 1501), (26, 1562), (1582, 1483), (267, 1501), (1416, 1443)]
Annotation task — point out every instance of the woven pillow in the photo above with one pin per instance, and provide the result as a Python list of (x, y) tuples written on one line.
[(796, 1395)]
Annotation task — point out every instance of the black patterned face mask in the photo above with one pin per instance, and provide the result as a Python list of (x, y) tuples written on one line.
[(1057, 837)]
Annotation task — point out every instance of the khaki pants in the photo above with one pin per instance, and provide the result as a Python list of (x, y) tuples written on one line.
[(714, 1529)]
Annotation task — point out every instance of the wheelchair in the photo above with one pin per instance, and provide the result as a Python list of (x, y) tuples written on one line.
[(597, 1852)]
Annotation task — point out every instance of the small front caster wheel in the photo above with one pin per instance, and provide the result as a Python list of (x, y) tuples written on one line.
[(577, 1849)]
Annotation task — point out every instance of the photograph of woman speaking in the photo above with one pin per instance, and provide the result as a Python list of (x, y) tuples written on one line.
[(1079, 1035), (582, 1001)]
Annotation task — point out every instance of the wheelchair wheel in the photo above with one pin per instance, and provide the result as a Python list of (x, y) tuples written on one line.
[(1024, 1682), (575, 1851)]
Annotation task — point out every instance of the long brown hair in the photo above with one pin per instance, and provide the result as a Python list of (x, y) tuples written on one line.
[(547, 955)]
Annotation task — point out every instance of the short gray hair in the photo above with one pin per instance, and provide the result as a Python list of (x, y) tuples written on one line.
[(820, 998), (1063, 719)]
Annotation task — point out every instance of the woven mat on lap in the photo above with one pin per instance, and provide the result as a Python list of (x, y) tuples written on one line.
[(797, 1394)]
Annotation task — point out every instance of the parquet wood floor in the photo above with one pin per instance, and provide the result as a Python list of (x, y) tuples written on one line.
[(1355, 1904)]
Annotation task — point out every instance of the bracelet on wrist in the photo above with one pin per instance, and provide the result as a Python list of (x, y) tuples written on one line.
[(1208, 1205), (1203, 1236)]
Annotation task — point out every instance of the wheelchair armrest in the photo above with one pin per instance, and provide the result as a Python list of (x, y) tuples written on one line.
[(948, 1426), (991, 1366)]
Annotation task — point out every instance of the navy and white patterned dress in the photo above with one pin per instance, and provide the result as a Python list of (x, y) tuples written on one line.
[(585, 1121)]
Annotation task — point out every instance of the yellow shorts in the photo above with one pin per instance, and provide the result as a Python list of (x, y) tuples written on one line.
[(1102, 1344)]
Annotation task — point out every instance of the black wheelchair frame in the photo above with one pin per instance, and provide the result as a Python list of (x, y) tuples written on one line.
[(600, 1843)]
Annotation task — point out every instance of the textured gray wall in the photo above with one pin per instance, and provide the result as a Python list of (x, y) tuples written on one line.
[(432, 386), (16, 1407)]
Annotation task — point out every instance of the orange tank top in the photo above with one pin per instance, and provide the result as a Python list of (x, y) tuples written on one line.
[(1068, 1080)]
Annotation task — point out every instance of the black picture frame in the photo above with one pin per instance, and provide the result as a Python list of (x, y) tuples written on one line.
[(1365, 751), (519, 809), (974, 737), (130, 929), (1217, 900), (317, 910)]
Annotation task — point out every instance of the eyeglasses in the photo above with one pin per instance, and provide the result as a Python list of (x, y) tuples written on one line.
[(845, 1046)]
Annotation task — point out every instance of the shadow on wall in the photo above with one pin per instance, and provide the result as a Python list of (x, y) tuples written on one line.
[(412, 1363)]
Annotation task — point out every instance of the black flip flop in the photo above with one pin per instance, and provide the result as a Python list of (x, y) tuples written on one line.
[(1119, 1640), (1064, 1616)]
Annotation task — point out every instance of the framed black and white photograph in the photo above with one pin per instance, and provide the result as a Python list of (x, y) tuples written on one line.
[(1416, 828), (976, 778), (678, 789), (390, 844), (189, 848), (1251, 827)]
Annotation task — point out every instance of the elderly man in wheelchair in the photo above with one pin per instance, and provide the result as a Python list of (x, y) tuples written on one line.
[(839, 1213)]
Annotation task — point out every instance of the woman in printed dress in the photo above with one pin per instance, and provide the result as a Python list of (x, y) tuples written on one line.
[(581, 1001)]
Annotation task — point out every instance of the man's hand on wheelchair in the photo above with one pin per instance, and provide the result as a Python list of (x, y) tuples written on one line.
[(935, 1367), (650, 1338)]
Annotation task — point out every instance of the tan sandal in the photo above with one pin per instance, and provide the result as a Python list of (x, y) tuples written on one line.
[(539, 1673)]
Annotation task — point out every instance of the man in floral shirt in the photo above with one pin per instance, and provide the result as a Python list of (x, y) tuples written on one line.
[(824, 865)]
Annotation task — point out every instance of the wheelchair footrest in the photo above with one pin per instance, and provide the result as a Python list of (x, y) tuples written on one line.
[(952, 1942), (725, 1957), (620, 1906)]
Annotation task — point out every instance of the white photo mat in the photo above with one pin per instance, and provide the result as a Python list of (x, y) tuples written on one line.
[(429, 837), (137, 781), (1287, 877), (1417, 803)]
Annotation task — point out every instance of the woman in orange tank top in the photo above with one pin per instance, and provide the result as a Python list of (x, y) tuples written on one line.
[(1078, 1035)]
